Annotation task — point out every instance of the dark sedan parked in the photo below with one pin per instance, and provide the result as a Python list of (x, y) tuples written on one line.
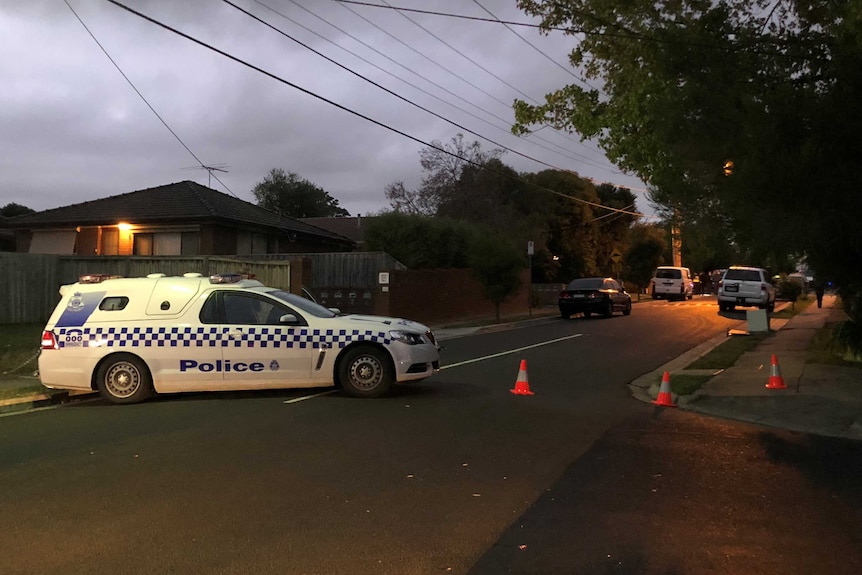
[(594, 295)]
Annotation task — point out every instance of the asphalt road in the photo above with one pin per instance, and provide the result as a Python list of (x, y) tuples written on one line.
[(452, 475)]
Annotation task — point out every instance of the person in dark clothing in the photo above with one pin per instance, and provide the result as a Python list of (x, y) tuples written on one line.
[(819, 288)]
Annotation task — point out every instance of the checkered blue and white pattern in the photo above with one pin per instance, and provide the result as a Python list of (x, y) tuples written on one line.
[(263, 337)]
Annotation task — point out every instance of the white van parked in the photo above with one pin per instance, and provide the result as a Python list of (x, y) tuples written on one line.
[(671, 282)]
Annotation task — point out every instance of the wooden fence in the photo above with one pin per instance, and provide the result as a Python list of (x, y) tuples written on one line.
[(30, 283)]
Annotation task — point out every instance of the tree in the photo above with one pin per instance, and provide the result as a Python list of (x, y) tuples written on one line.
[(295, 197), (570, 231), (687, 86), (497, 265), (421, 242), (647, 243), (442, 165), (12, 209)]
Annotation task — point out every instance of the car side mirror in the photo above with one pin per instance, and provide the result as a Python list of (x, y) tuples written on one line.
[(289, 319)]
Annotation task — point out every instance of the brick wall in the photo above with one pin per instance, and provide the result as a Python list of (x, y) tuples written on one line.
[(433, 297), (445, 296)]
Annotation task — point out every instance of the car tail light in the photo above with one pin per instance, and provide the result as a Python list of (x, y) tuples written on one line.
[(762, 287), (49, 341)]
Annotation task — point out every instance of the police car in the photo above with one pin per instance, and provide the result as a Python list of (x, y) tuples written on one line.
[(129, 338)]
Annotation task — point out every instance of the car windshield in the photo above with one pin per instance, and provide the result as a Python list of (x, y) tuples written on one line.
[(302, 303), (743, 275), (668, 274), (587, 283)]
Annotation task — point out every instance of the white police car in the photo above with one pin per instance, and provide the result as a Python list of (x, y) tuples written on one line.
[(131, 337)]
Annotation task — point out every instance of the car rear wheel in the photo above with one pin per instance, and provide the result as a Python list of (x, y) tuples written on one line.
[(365, 371), (124, 378)]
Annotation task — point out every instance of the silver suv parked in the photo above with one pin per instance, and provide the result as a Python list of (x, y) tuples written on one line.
[(745, 286)]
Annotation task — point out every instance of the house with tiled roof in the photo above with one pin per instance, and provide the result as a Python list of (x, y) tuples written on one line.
[(183, 218)]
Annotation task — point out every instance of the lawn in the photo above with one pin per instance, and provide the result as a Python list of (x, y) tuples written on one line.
[(19, 348)]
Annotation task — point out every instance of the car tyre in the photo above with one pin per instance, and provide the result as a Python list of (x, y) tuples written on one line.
[(628, 309), (124, 378), (609, 309), (565, 315), (365, 371), (588, 313)]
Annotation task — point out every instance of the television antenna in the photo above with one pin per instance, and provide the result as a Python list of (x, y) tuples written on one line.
[(210, 169)]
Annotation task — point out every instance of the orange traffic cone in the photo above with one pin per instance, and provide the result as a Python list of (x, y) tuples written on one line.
[(775, 379), (522, 386), (664, 397)]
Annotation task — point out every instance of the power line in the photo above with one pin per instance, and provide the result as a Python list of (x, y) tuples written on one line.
[(138, 92), (480, 66), (345, 109), (531, 45), (387, 90), (627, 35), (578, 157)]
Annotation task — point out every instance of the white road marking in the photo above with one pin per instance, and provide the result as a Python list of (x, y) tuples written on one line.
[(511, 351), (312, 396)]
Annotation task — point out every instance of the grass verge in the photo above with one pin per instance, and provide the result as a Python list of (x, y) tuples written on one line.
[(29, 390), (686, 384), (726, 354), (826, 349), (19, 348)]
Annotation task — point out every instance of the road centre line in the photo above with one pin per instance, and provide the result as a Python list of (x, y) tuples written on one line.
[(502, 353), (511, 351), (312, 396)]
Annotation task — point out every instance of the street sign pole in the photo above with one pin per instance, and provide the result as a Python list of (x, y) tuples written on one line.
[(530, 280)]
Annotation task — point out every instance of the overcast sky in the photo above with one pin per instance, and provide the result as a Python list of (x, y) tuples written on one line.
[(74, 129)]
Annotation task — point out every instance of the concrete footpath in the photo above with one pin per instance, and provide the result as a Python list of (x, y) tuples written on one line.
[(818, 398)]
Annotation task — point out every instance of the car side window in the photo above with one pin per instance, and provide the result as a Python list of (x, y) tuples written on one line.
[(244, 310), (209, 312)]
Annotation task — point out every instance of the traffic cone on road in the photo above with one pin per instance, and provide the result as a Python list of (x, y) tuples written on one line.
[(775, 379), (522, 385), (664, 397)]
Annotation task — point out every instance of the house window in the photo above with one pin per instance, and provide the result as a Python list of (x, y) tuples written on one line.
[(143, 244), (55, 242), (243, 243), (191, 243), (248, 243), (167, 244)]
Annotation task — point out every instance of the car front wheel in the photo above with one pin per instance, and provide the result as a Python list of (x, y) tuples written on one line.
[(365, 371)]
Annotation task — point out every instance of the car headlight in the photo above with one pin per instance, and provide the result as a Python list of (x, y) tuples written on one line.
[(408, 337)]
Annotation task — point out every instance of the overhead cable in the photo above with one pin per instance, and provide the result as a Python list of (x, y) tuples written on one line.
[(348, 110)]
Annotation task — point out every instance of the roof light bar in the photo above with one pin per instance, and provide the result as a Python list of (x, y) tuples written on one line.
[(96, 278)]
